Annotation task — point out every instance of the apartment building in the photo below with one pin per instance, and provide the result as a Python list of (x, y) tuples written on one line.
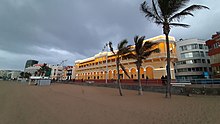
[(214, 53), (56, 72), (193, 60)]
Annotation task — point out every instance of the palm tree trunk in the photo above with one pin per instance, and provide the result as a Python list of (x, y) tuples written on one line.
[(139, 81), (168, 87), (118, 80)]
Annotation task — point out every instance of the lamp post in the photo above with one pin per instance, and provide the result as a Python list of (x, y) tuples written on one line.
[(106, 74)]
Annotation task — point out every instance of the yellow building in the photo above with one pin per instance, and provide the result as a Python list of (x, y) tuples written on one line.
[(153, 67)]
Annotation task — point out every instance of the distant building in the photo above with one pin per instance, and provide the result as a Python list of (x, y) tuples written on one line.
[(33, 69), (73, 73), (68, 72), (214, 52), (9, 74), (14, 74), (193, 60), (56, 72), (30, 63)]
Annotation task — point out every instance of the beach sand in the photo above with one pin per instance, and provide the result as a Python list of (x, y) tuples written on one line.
[(74, 104)]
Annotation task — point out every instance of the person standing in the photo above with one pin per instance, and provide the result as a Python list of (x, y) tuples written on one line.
[(163, 80)]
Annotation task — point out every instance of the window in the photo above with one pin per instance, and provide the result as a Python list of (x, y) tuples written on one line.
[(206, 54), (142, 76), (216, 45), (194, 46), (189, 69), (208, 60), (196, 54), (200, 46), (202, 54), (189, 62)]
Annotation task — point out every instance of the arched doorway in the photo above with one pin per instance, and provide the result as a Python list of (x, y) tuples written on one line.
[(114, 74), (133, 73), (110, 74), (149, 73), (102, 75), (121, 74), (125, 76), (142, 76), (94, 75)]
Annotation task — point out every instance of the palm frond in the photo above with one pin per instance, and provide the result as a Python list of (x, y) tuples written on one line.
[(179, 16), (179, 25), (176, 5), (194, 7), (123, 51), (122, 44), (186, 12), (149, 13), (131, 55), (136, 39), (148, 53), (111, 48), (155, 12), (139, 44), (148, 46), (168, 7), (123, 68)]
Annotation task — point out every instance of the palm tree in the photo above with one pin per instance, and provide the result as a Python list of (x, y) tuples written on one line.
[(167, 13), (142, 50), (44, 70), (122, 50)]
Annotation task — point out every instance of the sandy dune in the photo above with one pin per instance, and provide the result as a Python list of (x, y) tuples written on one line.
[(73, 104)]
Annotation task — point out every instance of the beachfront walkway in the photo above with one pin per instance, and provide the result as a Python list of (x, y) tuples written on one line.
[(74, 104)]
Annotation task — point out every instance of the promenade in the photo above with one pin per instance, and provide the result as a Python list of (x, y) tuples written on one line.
[(75, 104)]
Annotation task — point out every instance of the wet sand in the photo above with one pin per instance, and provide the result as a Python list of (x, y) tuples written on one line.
[(74, 104)]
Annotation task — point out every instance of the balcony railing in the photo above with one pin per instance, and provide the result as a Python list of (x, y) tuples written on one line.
[(153, 56)]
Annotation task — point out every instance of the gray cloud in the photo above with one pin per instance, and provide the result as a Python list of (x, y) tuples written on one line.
[(53, 30)]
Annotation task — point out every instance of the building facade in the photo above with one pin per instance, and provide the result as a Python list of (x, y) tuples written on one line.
[(193, 60), (214, 53), (9, 74), (67, 73), (30, 63), (56, 72), (33, 69), (13, 75), (103, 65)]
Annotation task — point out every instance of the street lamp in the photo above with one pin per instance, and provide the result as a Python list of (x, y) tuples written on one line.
[(106, 74)]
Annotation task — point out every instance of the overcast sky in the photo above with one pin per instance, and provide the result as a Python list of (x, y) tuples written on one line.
[(54, 30)]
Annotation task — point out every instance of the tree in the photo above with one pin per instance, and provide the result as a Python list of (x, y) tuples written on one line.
[(167, 13), (142, 50), (22, 74), (44, 70), (122, 50), (25, 75)]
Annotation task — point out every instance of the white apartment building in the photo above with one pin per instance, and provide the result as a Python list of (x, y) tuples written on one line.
[(193, 60), (56, 72), (33, 69)]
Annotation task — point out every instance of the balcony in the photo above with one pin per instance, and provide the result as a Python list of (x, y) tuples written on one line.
[(153, 56)]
